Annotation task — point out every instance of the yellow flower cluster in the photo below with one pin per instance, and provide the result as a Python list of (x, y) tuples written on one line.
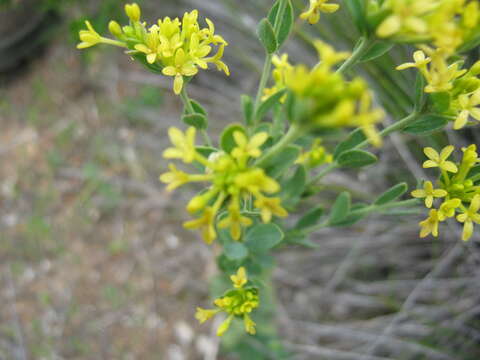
[(234, 180), (316, 156), (327, 98), (177, 48), (312, 14), (447, 24), (238, 302), (459, 189)]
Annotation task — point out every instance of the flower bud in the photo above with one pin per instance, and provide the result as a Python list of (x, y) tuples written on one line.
[(115, 29), (133, 12)]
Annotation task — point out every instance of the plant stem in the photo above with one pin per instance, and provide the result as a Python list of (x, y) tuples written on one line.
[(267, 66), (358, 52), (190, 110), (388, 130), (289, 137), (366, 210)]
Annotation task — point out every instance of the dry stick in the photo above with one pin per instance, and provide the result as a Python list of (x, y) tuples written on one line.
[(344, 332), (348, 261), (328, 353), (16, 320), (448, 259)]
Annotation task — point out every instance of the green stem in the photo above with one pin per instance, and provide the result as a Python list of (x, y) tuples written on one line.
[(358, 52), (190, 110), (364, 211), (267, 66), (261, 87), (293, 133), (387, 131)]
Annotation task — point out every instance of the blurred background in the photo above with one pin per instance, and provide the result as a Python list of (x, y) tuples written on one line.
[(94, 263)]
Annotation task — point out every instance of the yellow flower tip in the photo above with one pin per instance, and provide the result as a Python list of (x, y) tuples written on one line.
[(312, 14), (249, 325), (222, 329), (115, 28), (240, 278), (133, 12), (203, 315)]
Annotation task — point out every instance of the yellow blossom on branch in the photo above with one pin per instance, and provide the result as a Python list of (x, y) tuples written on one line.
[(236, 303), (440, 160), (312, 14), (469, 217), (177, 48), (428, 192)]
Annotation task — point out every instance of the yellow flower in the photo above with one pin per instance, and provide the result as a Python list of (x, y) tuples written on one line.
[(150, 47), (240, 278), (89, 37), (367, 118), (329, 55), (269, 207), (255, 181), (428, 192), (469, 217), (430, 225), (238, 302), (420, 62), (184, 145), (248, 148), (249, 324), (469, 105), (317, 155), (407, 17), (317, 6), (447, 209), (133, 12), (175, 178), (222, 329), (235, 220), (181, 67), (203, 315), (440, 160), (206, 225)]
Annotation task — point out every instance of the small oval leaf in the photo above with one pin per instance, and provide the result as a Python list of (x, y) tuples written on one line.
[(198, 121), (427, 124), (356, 158), (263, 237), (392, 194), (340, 209), (267, 36)]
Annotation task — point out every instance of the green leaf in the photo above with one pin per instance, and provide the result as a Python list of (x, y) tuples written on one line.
[(286, 23), (267, 36), (419, 100), (474, 171), (377, 50), (427, 124), (340, 209), (310, 218), (282, 161), (198, 108), (293, 188), (247, 105), (269, 103), (357, 11), (301, 240), (392, 194), (235, 250), (263, 237), (441, 101), (198, 121), (356, 158), (354, 139), (353, 217), (227, 142)]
